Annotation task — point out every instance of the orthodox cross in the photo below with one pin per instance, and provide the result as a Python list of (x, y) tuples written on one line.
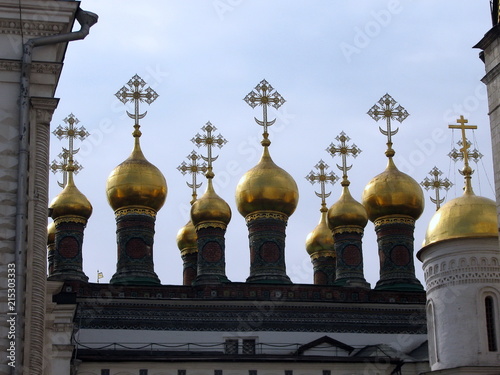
[(388, 111), (70, 132), (209, 140), (322, 178), (467, 170), (55, 166), (137, 94), (344, 150), (264, 95), (194, 169), (437, 184)]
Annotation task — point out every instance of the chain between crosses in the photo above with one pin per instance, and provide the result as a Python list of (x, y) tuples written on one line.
[(209, 140), (69, 132), (388, 110), (467, 170), (194, 169), (264, 95), (437, 184), (322, 178), (137, 94), (343, 150)]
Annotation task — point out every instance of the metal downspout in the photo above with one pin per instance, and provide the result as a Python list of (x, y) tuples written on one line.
[(86, 20)]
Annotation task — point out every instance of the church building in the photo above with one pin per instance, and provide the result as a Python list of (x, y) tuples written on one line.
[(57, 321)]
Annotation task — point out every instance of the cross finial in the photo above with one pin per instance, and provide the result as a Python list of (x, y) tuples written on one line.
[(264, 95), (193, 168), (344, 150), (463, 151), (437, 184), (70, 132), (136, 93), (322, 178), (388, 110), (209, 140)]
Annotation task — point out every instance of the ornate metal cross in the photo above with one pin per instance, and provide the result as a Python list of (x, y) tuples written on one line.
[(264, 95), (322, 178), (209, 140), (70, 132), (137, 94), (55, 167), (467, 170), (437, 184), (464, 154), (194, 169), (344, 150), (388, 111)]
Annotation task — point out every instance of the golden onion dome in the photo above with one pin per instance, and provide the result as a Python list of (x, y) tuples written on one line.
[(51, 233), (136, 182), (70, 201), (347, 211), (393, 193), (321, 238), (463, 217), (186, 237), (210, 208), (266, 187)]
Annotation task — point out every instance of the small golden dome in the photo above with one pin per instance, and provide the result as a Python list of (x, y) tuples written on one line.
[(70, 201), (393, 193), (136, 182), (462, 217), (321, 238), (347, 211), (210, 208), (266, 187), (51, 233), (186, 237)]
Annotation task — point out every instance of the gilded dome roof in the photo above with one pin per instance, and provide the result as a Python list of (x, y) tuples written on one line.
[(51, 233), (266, 187), (462, 217), (70, 201), (321, 238), (210, 208), (136, 182), (393, 193), (186, 237), (347, 211)]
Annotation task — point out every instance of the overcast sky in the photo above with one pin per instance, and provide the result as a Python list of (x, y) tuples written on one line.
[(331, 61)]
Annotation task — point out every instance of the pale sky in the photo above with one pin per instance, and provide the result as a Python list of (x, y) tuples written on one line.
[(330, 60)]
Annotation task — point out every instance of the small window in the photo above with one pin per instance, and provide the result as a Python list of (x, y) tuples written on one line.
[(252, 372), (248, 346), (490, 324), (143, 372), (104, 371), (217, 372), (288, 372), (231, 346), (181, 372)]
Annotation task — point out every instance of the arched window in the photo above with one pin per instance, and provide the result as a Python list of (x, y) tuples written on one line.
[(490, 324)]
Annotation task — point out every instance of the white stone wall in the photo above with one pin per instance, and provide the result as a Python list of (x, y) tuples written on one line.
[(242, 368), (492, 81), (458, 273), (39, 19)]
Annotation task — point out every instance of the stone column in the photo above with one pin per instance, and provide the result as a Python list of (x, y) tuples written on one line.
[(348, 247), (36, 265), (211, 253), (395, 248), (67, 261), (135, 236), (267, 247)]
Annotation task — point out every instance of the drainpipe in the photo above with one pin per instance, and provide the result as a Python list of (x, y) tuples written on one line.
[(86, 20)]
